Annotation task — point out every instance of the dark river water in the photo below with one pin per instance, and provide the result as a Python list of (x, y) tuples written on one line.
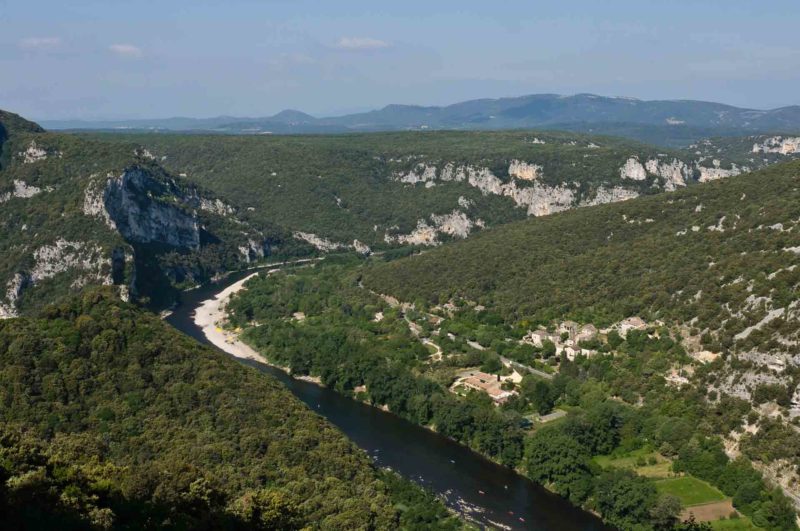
[(489, 494)]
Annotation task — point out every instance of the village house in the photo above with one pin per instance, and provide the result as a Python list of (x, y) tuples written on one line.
[(572, 352), (586, 333), (567, 346), (486, 383), (568, 327), (631, 323), (537, 337)]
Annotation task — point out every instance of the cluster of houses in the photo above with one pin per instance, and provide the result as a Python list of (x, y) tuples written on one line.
[(567, 339), (569, 335)]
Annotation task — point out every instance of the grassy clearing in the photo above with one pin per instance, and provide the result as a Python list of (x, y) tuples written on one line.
[(660, 470), (690, 490), (643, 461)]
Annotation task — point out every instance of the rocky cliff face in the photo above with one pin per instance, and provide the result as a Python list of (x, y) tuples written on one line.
[(525, 185), (778, 144), (145, 209), (146, 218)]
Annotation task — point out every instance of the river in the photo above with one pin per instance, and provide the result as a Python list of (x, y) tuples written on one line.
[(489, 494)]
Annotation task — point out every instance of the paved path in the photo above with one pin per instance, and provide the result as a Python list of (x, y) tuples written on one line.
[(519, 366)]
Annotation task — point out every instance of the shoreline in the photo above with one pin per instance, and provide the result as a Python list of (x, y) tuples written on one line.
[(211, 314)]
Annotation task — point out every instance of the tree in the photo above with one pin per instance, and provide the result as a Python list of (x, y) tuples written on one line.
[(665, 512), (552, 457), (541, 397), (548, 349), (491, 363), (625, 499), (693, 525), (267, 509)]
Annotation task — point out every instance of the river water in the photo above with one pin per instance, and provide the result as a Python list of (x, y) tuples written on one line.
[(489, 494)]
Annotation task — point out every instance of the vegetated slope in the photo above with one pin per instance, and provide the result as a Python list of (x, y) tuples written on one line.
[(651, 255), (752, 150), (665, 122), (421, 188), (716, 263), (77, 211), (110, 418)]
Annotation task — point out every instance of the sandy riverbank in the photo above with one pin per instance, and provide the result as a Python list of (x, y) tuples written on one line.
[(210, 315)]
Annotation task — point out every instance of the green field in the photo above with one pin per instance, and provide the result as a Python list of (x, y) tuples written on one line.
[(690, 490), (627, 460), (662, 468)]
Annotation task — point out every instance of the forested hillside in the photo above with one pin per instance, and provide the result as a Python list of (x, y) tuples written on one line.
[(423, 188), (110, 418), (695, 254)]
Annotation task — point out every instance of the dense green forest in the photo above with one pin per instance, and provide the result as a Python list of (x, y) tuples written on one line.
[(112, 419)]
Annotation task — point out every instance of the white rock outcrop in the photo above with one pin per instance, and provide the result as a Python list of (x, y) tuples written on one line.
[(22, 190), (716, 172), (323, 244), (64, 255), (89, 260), (538, 199), (675, 173), (610, 195), (34, 153), (778, 144), (633, 169), (361, 247), (216, 206), (129, 204), (253, 250), (419, 174), (524, 170), (456, 224), (14, 289)]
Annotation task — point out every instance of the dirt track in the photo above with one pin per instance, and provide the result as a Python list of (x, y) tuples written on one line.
[(709, 511)]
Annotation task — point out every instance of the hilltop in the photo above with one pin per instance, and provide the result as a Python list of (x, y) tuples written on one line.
[(664, 122)]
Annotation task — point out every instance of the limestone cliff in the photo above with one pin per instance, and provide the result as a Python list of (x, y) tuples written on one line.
[(145, 209)]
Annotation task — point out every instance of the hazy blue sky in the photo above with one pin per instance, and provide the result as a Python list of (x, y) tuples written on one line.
[(122, 59)]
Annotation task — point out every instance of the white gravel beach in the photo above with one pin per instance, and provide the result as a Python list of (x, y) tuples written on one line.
[(211, 314)]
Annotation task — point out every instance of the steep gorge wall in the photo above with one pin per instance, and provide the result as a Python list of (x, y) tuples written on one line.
[(129, 204)]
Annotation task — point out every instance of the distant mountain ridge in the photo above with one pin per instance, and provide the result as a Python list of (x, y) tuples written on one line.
[(675, 121)]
